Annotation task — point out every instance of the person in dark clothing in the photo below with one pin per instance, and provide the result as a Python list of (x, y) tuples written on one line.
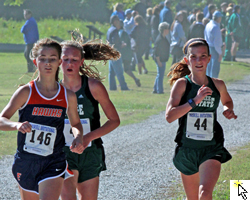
[(192, 16), (182, 5), (223, 23), (161, 56), (228, 39), (140, 40), (185, 23), (235, 30), (141, 8), (127, 54), (211, 9), (196, 30), (155, 20), (115, 66), (205, 10), (166, 14)]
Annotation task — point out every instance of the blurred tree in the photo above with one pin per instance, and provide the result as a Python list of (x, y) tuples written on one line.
[(131, 3), (191, 3), (13, 2)]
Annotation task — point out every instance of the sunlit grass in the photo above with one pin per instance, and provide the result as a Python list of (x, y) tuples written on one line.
[(10, 29)]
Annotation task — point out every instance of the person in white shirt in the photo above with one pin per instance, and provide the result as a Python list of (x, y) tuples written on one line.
[(129, 22), (213, 37)]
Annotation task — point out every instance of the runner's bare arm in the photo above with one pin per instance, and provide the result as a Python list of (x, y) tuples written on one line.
[(173, 110), (100, 94), (17, 100), (77, 145), (226, 99)]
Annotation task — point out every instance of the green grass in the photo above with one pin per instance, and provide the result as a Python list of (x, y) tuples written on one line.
[(47, 27)]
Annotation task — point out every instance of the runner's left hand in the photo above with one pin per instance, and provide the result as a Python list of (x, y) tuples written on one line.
[(229, 114), (77, 145)]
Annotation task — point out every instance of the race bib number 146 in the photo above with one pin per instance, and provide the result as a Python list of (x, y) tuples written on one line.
[(40, 140)]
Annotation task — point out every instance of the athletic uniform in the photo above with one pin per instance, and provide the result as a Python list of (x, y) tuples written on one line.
[(92, 161), (40, 153), (200, 136)]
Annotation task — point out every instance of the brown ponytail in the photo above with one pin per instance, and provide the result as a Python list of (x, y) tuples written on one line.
[(178, 70)]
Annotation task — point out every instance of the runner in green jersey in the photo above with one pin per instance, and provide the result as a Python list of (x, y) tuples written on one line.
[(194, 100), (90, 93)]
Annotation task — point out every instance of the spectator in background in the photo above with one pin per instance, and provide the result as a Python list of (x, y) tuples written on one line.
[(118, 10), (148, 20), (127, 54), (182, 5), (192, 16), (161, 55), (211, 9), (149, 3), (31, 36), (213, 37), (155, 21), (196, 30), (139, 42), (166, 13), (205, 21), (115, 66), (205, 10), (161, 5), (228, 39), (223, 7), (244, 23), (231, 5), (229, 12), (223, 23), (178, 37), (129, 22), (185, 23), (141, 8), (235, 30)]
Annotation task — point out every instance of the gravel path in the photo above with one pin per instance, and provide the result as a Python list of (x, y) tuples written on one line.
[(139, 156)]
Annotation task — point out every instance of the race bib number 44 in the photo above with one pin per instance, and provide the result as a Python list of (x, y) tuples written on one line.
[(68, 134), (40, 140), (200, 126)]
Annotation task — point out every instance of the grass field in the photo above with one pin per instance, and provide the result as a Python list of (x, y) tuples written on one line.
[(47, 27)]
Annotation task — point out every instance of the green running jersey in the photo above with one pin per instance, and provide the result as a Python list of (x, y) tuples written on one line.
[(88, 109), (199, 127)]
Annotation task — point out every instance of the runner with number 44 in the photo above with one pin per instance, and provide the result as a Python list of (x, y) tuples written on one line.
[(194, 100)]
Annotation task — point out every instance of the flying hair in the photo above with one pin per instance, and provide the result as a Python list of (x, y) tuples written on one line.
[(94, 50)]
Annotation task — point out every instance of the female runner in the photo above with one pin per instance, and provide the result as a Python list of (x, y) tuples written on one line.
[(90, 92), (40, 162), (194, 100)]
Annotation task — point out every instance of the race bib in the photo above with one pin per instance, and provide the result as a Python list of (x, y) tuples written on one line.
[(200, 126), (40, 140), (68, 134)]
